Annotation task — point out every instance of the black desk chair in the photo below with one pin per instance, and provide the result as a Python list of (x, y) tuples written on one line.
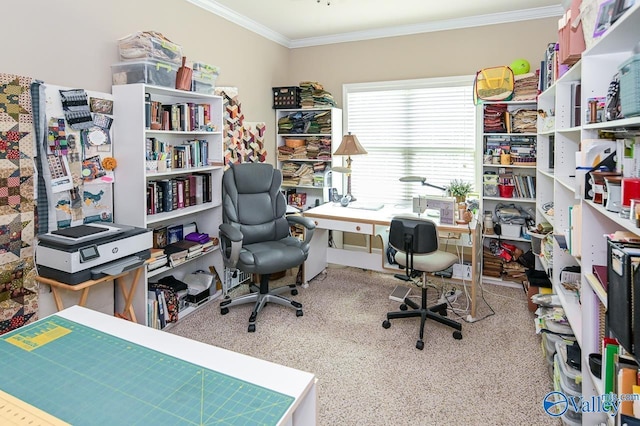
[(255, 234), (416, 242)]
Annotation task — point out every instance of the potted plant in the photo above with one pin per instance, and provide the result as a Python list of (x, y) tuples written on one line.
[(459, 188)]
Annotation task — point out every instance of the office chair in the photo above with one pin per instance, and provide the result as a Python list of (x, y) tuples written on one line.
[(416, 242), (255, 234)]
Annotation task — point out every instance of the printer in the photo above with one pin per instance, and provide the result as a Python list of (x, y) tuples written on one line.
[(80, 253)]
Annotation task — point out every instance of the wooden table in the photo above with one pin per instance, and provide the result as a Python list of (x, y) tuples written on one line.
[(128, 311)]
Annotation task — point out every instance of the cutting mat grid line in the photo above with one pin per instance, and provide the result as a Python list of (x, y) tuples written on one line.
[(124, 382)]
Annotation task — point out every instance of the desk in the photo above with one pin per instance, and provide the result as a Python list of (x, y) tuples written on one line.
[(127, 295), (375, 223), (85, 367)]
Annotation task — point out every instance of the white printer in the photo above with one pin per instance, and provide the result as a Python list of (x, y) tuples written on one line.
[(80, 253)]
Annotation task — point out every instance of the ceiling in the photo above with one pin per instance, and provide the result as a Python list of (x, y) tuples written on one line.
[(302, 23)]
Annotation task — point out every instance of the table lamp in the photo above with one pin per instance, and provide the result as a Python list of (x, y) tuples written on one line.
[(349, 146)]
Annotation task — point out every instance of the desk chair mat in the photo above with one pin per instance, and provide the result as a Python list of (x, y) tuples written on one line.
[(93, 377)]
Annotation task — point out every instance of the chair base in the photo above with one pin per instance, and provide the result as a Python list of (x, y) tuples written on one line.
[(437, 313), (261, 296)]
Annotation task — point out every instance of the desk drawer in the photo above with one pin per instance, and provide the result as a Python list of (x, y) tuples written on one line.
[(343, 225)]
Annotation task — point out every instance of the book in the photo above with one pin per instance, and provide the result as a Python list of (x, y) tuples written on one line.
[(174, 234), (182, 245), (160, 237)]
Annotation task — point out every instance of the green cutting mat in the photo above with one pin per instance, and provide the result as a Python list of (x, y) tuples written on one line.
[(84, 376)]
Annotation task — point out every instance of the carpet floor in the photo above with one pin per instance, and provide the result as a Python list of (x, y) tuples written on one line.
[(368, 375)]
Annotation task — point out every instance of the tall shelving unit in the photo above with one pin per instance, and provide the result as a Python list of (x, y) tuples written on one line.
[(330, 138), (594, 72), (491, 196), (132, 176)]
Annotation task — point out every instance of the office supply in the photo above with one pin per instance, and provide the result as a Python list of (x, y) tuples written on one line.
[(251, 195), (349, 146), (372, 224), (85, 252), (417, 243), (93, 361)]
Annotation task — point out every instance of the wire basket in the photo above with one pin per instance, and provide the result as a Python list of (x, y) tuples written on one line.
[(230, 282)]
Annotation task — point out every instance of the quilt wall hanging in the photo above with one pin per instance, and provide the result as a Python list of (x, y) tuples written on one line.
[(18, 288), (243, 141)]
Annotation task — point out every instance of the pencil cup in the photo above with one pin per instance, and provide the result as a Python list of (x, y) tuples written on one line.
[(505, 159)]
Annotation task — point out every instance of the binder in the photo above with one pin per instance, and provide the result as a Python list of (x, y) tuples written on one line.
[(623, 271)]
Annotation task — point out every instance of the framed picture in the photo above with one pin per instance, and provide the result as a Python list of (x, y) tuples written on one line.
[(606, 15)]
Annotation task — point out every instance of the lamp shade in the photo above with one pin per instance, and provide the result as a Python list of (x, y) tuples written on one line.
[(350, 146)]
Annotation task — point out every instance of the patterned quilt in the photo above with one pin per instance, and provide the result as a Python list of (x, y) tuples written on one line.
[(18, 288)]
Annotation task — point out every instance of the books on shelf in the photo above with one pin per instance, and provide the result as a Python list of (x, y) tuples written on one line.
[(164, 195)]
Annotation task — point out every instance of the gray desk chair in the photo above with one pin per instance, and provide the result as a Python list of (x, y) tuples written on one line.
[(416, 242), (255, 236)]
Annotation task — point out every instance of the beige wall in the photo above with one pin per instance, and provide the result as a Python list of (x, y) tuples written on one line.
[(73, 43), (438, 54)]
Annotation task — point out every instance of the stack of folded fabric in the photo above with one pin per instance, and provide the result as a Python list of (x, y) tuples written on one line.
[(313, 95), (525, 121), (304, 174), (289, 177), (285, 153), (525, 87), (494, 115)]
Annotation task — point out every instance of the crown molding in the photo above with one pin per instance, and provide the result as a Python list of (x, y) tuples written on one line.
[(243, 21), (449, 24)]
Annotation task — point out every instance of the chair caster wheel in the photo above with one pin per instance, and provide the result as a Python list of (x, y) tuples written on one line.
[(386, 324), (224, 311), (420, 344), (299, 313), (403, 307), (457, 335), (252, 328), (443, 313), (294, 292)]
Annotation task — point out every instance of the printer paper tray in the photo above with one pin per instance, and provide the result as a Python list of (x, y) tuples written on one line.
[(97, 272)]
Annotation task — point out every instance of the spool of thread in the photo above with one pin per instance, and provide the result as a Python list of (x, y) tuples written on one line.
[(630, 189)]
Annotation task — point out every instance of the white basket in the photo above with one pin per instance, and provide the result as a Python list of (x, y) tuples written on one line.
[(230, 282)]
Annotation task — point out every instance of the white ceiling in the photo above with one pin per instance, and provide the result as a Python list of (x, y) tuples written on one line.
[(300, 23)]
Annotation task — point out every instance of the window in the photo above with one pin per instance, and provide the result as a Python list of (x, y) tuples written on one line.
[(417, 127)]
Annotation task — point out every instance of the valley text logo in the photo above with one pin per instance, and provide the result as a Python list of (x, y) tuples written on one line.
[(556, 403)]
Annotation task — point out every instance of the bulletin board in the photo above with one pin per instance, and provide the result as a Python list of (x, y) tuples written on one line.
[(78, 131)]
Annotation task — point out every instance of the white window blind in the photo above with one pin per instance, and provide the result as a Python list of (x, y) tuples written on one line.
[(417, 127)]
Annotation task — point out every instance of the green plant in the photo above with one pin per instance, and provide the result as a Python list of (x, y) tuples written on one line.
[(459, 188)]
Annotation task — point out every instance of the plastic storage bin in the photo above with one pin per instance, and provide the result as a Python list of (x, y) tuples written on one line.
[(149, 45), (571, 377), (149, 72), (204, 82), (630, 86), (286, 97)]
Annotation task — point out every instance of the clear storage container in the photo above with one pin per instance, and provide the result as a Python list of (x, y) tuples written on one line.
[(149, 45), (149, 72)]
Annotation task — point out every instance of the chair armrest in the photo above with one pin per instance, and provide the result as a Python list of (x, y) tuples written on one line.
[(230, 244), (308, 224)]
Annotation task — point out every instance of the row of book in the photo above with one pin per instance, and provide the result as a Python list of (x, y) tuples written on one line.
[(179, 252), (524, 185), (191, 153), (185, 116), (170, 194)]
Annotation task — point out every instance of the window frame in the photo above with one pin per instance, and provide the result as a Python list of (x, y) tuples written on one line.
[(409, 189)]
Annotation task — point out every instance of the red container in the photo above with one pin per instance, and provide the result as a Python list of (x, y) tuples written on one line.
[(506, 191), (630, 189)]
